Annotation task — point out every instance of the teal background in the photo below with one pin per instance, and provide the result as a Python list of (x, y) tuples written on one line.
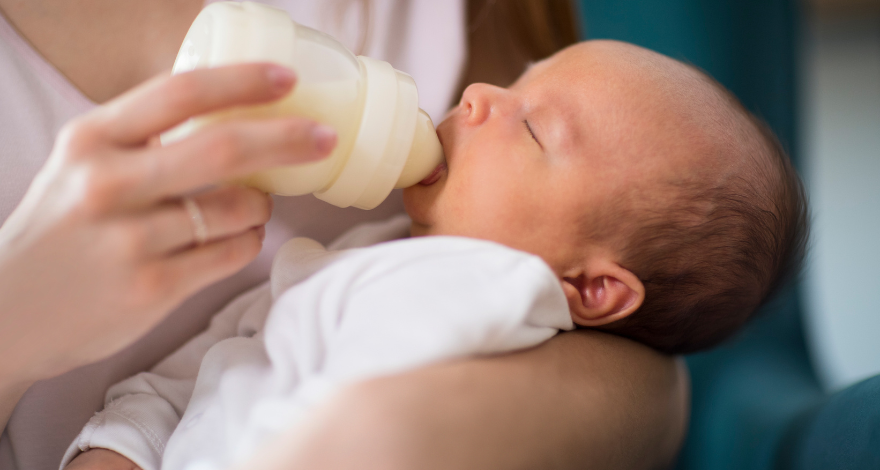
[(757, 403)]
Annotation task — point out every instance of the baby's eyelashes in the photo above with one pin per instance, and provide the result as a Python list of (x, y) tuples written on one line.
[(529, 128)]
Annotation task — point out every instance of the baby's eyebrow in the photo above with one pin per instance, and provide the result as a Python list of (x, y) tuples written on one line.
[(562, 132), (570, 126)]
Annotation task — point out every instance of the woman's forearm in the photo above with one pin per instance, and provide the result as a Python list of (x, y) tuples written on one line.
[(582, 400)]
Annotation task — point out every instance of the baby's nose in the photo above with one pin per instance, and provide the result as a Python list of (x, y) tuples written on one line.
[(477, 101)]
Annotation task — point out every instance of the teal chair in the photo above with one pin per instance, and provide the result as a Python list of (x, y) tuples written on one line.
[(757, 403)]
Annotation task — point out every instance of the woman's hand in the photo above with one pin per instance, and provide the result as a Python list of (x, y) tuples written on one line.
[(584, 399), (101, 459), (102, 246)]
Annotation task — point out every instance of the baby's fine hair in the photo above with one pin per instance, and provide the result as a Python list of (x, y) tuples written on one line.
[(719, 252)]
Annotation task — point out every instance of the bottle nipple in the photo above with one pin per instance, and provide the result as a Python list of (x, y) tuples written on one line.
[(424, 155)]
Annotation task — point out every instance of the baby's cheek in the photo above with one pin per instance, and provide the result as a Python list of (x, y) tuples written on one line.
[(483, 213)]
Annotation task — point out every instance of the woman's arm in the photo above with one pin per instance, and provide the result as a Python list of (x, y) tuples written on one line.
[(582, 400)]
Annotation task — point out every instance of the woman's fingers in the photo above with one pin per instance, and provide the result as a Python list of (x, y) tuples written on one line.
[(225, 212), (164, 102), (221, 152), (186, 272)]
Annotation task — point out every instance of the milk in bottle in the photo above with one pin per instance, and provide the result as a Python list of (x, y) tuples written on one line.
[(385, 140)]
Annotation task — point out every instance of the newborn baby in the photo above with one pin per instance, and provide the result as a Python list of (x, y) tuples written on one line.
[(610, 187)]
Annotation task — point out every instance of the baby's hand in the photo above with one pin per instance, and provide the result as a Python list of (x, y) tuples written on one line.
[(101, 459)]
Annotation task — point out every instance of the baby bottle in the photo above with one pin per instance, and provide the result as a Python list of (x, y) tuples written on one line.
[(384, 140)]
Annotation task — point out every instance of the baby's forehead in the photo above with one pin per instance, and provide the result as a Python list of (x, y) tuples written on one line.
[(626, 72), (619, 84), (662, 113)]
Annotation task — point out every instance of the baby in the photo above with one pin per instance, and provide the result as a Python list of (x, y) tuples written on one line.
[(610, 187)]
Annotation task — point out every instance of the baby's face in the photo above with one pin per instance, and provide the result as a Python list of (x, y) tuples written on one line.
[(532, 165)]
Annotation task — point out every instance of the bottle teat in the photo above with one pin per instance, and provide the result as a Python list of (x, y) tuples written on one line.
[(424, 155)]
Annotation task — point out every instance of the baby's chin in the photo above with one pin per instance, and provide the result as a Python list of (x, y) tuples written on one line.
[(418, 230), (419, 201)]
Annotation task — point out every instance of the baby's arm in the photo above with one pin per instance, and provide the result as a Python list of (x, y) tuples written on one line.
[(141, 412)]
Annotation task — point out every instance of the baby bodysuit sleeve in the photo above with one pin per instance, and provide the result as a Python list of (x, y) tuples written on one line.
[(369, 312), (411, 303), (141, 412)]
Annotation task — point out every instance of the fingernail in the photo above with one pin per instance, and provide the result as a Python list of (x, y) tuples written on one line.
[(280, 77), (325, 138)]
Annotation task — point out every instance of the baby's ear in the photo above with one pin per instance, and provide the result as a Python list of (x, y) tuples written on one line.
[(602, 293)]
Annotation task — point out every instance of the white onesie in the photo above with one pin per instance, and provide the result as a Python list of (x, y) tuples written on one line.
[(325, 319)]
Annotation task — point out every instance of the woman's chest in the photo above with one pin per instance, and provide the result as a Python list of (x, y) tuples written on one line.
[(103, 47)]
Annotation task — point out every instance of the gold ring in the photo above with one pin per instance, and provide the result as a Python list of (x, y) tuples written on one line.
[(200, 230)]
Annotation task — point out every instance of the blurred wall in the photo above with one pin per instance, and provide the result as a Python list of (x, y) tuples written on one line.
[(841, 156)]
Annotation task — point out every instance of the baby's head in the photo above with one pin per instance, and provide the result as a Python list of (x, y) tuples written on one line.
[(666, 210)]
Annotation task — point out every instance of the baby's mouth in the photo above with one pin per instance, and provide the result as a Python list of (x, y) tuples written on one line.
[(434, 176), (437, 173)]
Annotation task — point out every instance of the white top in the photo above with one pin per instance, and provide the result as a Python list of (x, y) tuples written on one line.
[(333, 317), (424, 38)]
